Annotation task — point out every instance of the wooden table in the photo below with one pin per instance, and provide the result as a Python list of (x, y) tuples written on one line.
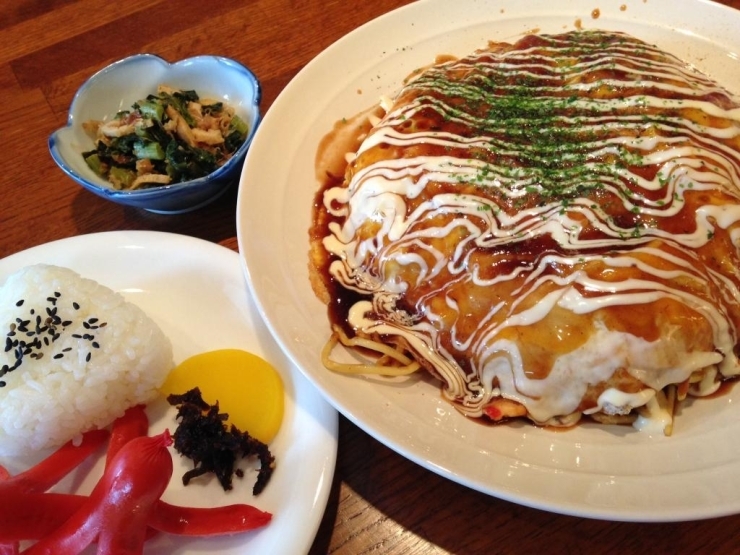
[(380, 502)]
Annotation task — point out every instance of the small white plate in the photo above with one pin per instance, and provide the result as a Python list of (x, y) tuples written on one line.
[(195, 291), (592, 471)]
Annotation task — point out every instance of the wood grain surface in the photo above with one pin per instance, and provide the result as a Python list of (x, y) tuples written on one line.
[(380, 502)]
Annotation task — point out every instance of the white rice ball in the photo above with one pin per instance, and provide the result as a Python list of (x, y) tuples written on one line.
[(76, 355)]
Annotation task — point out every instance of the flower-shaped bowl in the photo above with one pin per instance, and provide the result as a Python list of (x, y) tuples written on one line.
[(119, 85)]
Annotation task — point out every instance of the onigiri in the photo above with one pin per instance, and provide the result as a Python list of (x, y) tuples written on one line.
[(76, 356)]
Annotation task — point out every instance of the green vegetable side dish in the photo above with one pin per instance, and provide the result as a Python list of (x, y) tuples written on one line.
[(170, 137)]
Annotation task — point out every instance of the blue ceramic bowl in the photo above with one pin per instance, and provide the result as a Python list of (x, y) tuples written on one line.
[(122, 83)]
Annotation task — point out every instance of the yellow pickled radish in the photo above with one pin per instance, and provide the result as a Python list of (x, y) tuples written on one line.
[(246, 387)]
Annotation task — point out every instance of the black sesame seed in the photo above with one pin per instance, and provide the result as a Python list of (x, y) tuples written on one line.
[(76, 336), (86, 325), (88, 357), (2, 383), (28, 338), (96, 344)]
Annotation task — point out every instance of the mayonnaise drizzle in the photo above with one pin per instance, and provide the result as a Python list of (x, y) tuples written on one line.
[(614, 138)]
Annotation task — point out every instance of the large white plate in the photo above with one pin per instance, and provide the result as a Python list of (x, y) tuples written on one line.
[(195, 291), (600, 472)]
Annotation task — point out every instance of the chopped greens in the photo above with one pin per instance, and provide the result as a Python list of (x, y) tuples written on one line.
[(169, 137)]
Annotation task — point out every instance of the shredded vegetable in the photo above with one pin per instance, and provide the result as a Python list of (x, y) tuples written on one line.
[(169, 137)]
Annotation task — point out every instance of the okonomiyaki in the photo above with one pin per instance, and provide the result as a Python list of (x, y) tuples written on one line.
[(550, 228)]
